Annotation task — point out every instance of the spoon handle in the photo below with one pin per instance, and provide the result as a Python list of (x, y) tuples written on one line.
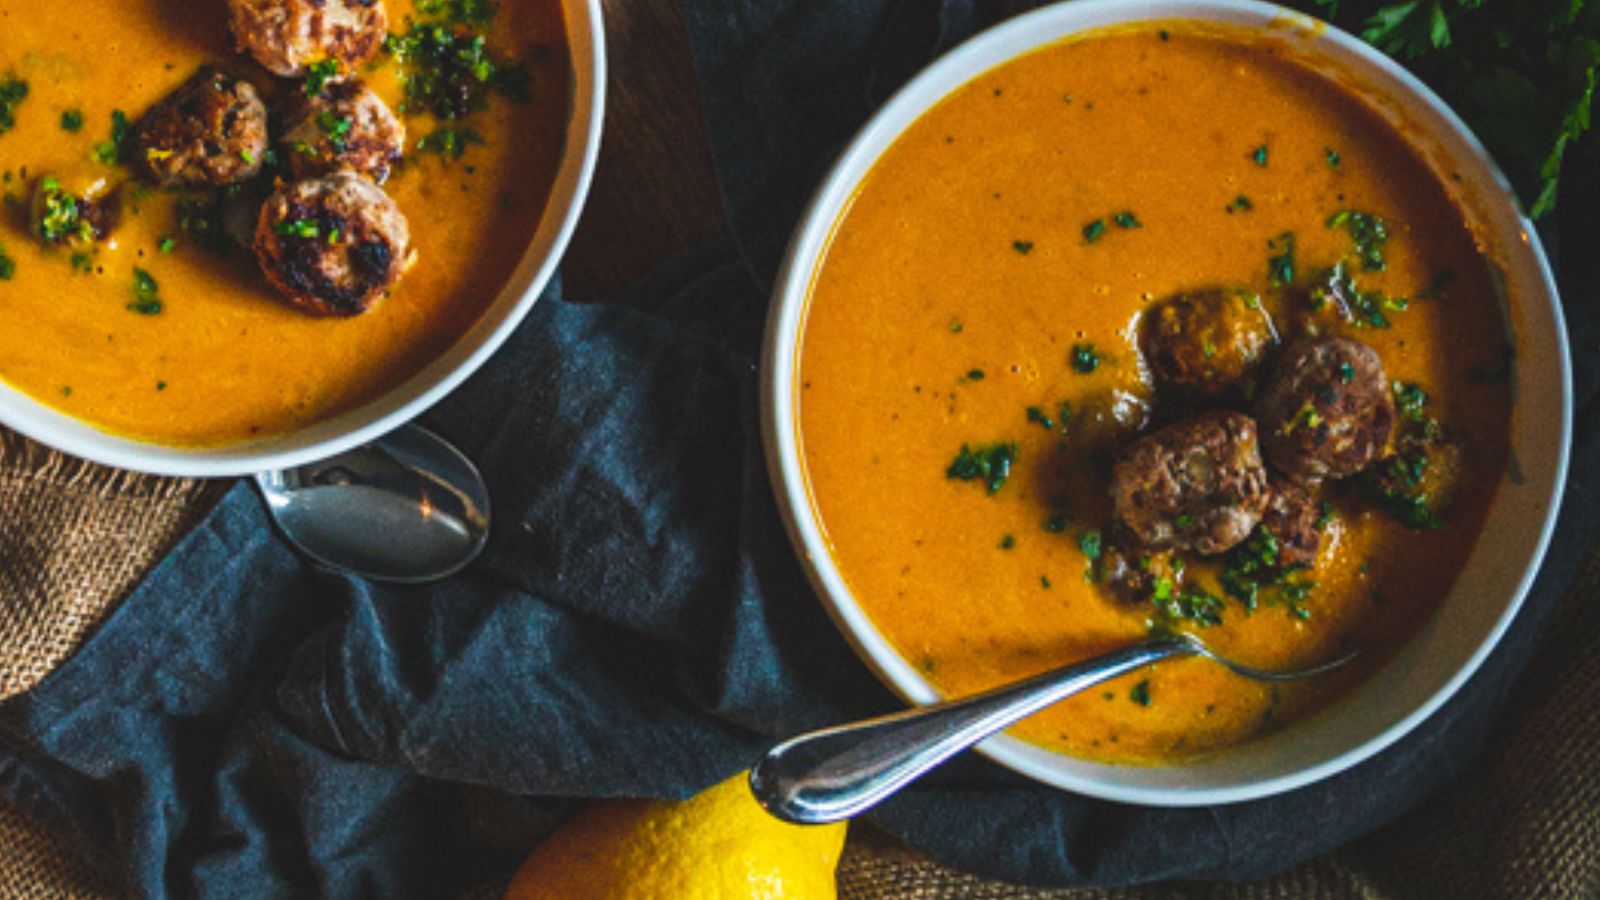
[(836, 773)]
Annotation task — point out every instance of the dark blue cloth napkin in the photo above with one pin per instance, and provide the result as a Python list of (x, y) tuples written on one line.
[(244, 725)]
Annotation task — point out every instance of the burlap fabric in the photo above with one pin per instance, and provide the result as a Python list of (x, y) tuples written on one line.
[(74, 538)]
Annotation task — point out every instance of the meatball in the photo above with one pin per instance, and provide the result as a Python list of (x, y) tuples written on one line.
[(289, 36), (332, 245), (1197, 485), (1326, 411), (71, 210), (210, 132), (345, 126), (1206, 341), (1292, 518), (1132, 573)]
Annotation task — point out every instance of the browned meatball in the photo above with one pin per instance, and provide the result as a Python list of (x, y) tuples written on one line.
[(289, 36), (1326, 411), (1291, 518), (1206, 341), (1197, 485), (210, 132), (1131, 572), (332, 245), (345, 126)]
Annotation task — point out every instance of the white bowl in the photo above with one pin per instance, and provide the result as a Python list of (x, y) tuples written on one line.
[(586, 40), (1435, 663)]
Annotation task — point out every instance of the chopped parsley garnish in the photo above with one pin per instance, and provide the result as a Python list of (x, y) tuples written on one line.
[(1259, 155), (1007, 542), (72, 120), (1089, 543), (1093, 230), (463, 12), (450, 73), (13, 91), (146, 297), (319, 74), (1347, 373), (1252, 574), (1057, 522), (450, 142), (1085, 358), (167, 244), (1187, 604), (1022, 247), (300, 228), (61, 215), (1332, 156), (8, 266), (1127, 219), (1280, 265), (1396, 486), (1369, 232), (1240, 203), (1410, 401), (82, 263), (1044, 582), (1037, 416), (337, 128), (1141, 693), (989, 464), (116, 149), (956, 327)]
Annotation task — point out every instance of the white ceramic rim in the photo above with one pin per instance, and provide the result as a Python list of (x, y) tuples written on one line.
[(1168, 785), (586, 42)]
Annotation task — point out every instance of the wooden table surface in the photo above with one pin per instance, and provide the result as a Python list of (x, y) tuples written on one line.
[(654, 193)]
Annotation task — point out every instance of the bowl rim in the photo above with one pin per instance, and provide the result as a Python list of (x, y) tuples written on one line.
[(329, 437), (1030, 32)]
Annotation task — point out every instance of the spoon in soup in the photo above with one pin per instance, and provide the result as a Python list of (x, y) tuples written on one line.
[(407, 508), (840, 772)]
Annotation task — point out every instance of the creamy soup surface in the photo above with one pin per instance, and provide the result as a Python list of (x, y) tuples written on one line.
[(226, 360), (995, 266)]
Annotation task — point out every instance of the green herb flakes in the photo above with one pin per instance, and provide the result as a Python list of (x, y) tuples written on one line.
[(1369, 232), (1140, 694), (1280, 265), (72, 120), (1093, 230), (1085, 358), (1127, 220), (8, 266), (451, 143), (1022, 247), (1259, 155), (146, 296), (13, 91), (318, 75), (989, 464)]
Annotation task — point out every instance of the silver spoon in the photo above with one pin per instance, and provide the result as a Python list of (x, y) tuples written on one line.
[(836, 773), (407, 508)]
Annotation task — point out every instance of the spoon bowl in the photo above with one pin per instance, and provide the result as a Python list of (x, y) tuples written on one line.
[(407, 508)]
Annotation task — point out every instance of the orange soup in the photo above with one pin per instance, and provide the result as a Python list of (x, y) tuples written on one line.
[(225, 359), (971, 363)]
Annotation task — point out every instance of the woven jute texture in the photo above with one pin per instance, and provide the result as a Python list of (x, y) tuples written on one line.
[(74, 539)]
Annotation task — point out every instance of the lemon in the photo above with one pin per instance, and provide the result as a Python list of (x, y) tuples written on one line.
[(717, 845)]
